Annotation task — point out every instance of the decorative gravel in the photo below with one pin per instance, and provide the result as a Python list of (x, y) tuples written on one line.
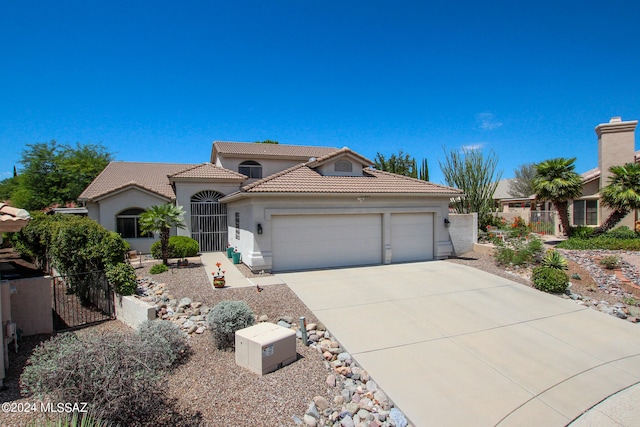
[(210, 383)]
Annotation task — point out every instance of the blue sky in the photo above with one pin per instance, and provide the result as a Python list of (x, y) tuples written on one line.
[(159, 81)]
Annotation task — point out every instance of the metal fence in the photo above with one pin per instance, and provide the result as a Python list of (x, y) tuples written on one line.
[(543, 222), (81, 300)]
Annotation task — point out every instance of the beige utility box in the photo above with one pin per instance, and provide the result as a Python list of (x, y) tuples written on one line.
[(265, 347)]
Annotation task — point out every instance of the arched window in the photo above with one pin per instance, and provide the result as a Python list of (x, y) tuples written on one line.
[(250, 168), (127, 224), (343, 166)]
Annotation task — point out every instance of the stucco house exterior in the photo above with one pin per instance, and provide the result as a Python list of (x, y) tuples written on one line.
[(616, 146), (284, 207)]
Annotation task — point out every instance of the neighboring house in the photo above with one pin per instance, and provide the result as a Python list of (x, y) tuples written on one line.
[(616, 146), (284, 207)]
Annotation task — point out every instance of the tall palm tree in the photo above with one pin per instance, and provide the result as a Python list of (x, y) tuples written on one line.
[(622, 194), (557, 181), (161, 219)]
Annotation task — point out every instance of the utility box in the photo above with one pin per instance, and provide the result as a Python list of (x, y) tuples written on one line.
[(265, 347)]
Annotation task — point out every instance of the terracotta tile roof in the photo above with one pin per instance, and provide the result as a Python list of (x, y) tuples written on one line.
[(12, 219), (251, 149), (209, 172), (303, 179), (120, 175), (363, 160)]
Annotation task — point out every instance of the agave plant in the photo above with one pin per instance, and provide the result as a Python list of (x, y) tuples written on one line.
[(554, 259)]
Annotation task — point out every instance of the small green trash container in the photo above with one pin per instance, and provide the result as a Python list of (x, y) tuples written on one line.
[(236, 257), (229, 251)]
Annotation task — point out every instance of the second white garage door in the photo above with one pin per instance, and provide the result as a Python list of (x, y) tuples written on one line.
[(321, 241), (411, 237)]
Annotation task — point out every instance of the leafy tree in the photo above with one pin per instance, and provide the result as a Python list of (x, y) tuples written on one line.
[(402, 164), (267, 141), (54, 173), (475, 174), (522, 183), (622, 194), (557, 181), (161, 219)]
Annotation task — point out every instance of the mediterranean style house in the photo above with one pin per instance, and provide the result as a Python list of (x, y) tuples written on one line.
[(616, 146), (283, 207)]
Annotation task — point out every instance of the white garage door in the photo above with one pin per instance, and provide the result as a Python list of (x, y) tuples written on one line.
[(320, 241), (411, 237)]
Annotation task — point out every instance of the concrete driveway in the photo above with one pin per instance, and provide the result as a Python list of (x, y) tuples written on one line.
[(455, 346)]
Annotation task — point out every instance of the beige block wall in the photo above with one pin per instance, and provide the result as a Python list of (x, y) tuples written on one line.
[(31, 305)]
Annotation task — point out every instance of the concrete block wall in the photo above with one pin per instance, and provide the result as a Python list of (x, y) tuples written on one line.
[(132, 311)]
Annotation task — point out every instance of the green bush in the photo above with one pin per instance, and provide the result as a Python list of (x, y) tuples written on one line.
[(123, 277), (226, 318), (581, 232), (622, 232), (550, 280), (601, 242), (158, 268), (554, 259), (166, 335), (75, 420), (179, 247)]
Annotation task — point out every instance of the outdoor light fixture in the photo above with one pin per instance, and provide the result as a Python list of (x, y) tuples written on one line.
[(446, 222), (259, 228)]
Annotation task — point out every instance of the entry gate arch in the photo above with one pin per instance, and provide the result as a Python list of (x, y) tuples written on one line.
[(209, 221)]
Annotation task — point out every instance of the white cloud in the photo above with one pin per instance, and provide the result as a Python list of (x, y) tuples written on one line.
[(487, 121), (472, 146)]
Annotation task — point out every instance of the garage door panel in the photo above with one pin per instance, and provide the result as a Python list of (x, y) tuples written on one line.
[(411, 237), (317, 241)]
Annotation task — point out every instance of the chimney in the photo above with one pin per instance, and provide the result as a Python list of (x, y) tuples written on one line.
[(616, 146)]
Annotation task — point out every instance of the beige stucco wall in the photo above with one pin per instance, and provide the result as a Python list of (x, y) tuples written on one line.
[(105, 212), (269, 166), (256, 249), (31, 305), (463, 232)]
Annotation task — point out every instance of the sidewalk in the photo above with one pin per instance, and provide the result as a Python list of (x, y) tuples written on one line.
[(233, 277)]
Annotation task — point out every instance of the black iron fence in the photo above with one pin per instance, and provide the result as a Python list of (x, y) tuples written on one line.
[(81, 300)]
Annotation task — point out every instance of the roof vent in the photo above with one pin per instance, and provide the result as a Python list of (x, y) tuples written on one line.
[(312, 159), (616, 119)]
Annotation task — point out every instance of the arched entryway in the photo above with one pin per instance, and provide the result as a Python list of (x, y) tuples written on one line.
[(209, 221)]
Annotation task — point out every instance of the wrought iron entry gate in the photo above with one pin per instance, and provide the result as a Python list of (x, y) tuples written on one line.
[(81, 300), (209, 221)]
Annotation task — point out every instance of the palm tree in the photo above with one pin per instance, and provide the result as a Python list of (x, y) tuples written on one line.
[(161, 219), (622, 195), (557, 181)]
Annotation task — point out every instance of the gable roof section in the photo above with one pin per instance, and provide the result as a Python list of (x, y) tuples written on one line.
[(305, 179), (118, 176), (340, 153), (251, 149), (208, 172)]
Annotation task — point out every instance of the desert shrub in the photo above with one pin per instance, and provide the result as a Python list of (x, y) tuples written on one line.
[(123, 277), (518, 228), (179, 247), (622, 232), (601, 242), (550, 280), (158, 268), (610, 262), (226, 318), (518, 251), (554, 259), (166, 335), (118, 373)]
